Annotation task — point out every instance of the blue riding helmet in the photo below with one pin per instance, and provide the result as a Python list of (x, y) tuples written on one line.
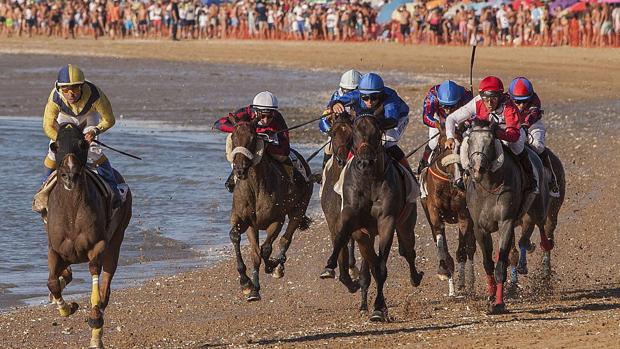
[(370, 83), (521, 89), (449, 93)]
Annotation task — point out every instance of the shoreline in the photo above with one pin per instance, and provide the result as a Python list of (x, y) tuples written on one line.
[(205, 308)]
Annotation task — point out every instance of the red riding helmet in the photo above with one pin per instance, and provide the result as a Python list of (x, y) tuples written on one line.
[(491, 85)]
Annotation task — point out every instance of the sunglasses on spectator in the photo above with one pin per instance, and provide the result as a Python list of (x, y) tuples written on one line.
[(372, 97), (71, 89)]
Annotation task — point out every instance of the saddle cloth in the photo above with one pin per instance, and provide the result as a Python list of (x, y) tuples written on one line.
[(412, 189), (40, 200)]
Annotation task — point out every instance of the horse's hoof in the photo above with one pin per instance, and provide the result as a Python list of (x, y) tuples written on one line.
[(364, 308), (417, 279), (378, 316), (354, 273), (522, 269), (269, 267), (530, 248), (279, 272), (247, 288), (328, 273), (254, 296), (496, 309), (442, 277), (96, 345), (353, 286)]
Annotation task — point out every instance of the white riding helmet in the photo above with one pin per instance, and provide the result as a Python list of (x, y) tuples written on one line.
[(265, 100), (350, 79)]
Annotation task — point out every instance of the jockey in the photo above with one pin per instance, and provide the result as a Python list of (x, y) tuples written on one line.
[(348, 82), (264, 107), (522, 93), (77, 100), (440, 101), (493, 105), (373, 96)]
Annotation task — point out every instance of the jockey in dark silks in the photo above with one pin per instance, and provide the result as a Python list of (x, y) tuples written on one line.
[(374, 97), (348, 82), (78, 101), (522, 93), (264, 107), (440, 101)]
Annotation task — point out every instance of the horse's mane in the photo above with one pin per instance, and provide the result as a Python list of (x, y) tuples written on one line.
[(480, 123)]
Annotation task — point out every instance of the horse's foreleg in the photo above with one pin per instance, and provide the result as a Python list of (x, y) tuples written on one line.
[(235, 238), (406, 248), (273, 230), (525, 245), (369, 260), (506, 231), (344, 229), (95, 318), (252, 234), (466, 235), (56, 282), (354, 272), (485, 241), (386, 229)]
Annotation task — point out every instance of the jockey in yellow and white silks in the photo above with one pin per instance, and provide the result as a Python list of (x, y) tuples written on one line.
[(78, 101)]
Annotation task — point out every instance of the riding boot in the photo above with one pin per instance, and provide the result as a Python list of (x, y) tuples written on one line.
[(46, 173), (554, 191), (326, 158), (531, 186), (230, 182), (425, 159), (107, 173)]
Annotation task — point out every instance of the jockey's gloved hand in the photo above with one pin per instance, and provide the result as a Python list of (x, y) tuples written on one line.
[(90, 136), (271, 137)]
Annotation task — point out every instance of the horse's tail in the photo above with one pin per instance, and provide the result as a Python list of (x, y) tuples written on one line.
[(305, 223)]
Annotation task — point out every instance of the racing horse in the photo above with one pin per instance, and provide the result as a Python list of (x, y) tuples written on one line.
[(495, 201), (445, 203), (374, 204), (82, 227), (546, 226), (262, 199), (341, 135)]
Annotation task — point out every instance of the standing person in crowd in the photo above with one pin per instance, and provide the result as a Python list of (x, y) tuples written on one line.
[(115, 19), (440, 101), (174, 19), (404, 19), (374, 97)]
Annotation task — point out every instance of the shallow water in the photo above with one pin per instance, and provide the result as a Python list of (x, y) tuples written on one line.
[(180, 208)]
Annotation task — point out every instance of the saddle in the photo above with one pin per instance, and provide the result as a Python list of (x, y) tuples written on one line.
[(40, 200)]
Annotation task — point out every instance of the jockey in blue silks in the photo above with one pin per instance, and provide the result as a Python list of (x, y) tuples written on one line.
[(374, 97)]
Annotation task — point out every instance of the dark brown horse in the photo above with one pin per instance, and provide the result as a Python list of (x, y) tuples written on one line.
[(546, 226), (80, 228), (262, 199), (374, 205), (341, 135), (495, 198), (445, 203)]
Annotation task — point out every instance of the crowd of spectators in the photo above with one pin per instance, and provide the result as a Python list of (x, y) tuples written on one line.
[(435, 22)]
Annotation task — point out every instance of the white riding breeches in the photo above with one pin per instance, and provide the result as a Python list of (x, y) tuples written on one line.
[(432, 131), (392, 136)]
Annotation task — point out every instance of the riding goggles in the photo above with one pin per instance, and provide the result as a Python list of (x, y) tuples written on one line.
[(372, 97), (490, 94), (73, 89)]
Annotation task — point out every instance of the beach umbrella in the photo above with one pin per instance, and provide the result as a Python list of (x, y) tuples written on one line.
[(452, 10), (385, 14), (434, 3), (478, 6), (531, 3), (561, 4)]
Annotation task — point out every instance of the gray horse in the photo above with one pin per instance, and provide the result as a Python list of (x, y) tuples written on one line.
[(495, 201)]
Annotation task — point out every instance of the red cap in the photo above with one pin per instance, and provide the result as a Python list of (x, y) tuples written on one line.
[(491, 84)]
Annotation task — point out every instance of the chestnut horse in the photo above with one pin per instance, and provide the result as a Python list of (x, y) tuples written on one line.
[(445, 203), (374, 204), (80, 228), (262, 200)]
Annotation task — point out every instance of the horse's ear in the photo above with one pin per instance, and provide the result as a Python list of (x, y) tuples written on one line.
[(54, 147), (254, 123)]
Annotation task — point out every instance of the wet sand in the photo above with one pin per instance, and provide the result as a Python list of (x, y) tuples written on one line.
[(204, 307)]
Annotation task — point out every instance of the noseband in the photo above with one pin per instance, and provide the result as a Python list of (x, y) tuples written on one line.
[(489, 162)]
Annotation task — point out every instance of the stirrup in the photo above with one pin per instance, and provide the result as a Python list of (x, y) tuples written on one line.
[(460, 184)]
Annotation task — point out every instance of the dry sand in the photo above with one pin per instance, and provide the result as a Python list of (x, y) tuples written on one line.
[(579, 307)]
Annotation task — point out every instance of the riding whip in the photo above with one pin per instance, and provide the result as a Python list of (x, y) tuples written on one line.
[(317, 151), (116, 150), (421, 145), (311, 121), (471, 66)]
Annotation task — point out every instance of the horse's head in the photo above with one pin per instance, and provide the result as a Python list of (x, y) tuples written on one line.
[(366, 141), (71, 151), (244, 140), (341, 134), (481, 150)]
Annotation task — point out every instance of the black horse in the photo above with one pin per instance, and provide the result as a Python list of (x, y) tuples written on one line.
[(375, 204)]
